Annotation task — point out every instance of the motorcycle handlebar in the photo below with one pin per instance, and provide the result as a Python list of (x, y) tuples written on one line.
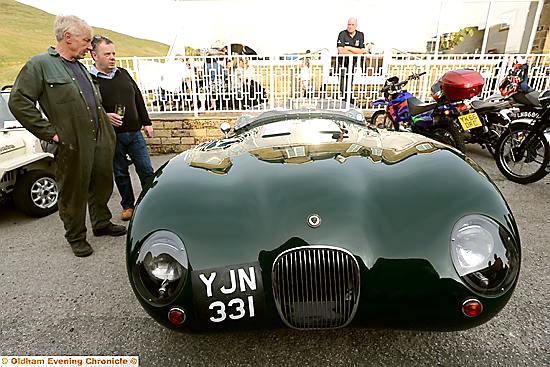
[(402, 83), (416, 76)]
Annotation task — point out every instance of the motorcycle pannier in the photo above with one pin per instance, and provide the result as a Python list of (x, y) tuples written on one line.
[(461, 84)]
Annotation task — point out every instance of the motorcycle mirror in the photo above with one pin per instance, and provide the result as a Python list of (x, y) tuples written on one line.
[(225, 127)]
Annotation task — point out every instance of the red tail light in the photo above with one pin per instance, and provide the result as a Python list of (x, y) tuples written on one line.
[(176, 316), (461, 107), (472, 308)]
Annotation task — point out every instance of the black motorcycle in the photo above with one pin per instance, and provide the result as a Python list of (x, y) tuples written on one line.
[(522, 152), (494, 116)]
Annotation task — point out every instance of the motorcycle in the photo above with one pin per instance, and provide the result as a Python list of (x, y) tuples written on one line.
[(494, 115), (438, 120), (395, 101), (515, 101), (522, 152)]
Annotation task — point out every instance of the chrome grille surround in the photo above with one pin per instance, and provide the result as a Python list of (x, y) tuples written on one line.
[(316, 287)]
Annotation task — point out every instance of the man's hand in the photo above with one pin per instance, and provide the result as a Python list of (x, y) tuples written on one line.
[(116, 120), (55, 138), (149, 131)]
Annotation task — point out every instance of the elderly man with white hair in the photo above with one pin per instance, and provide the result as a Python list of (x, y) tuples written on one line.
[(77, 123)]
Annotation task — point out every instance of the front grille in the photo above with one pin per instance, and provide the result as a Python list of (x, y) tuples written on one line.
[(316, 287), (8, 177)]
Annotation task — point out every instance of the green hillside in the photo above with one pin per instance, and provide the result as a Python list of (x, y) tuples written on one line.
[(26, 31)]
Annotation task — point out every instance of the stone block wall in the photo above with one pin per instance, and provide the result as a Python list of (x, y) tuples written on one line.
[(179, 133)]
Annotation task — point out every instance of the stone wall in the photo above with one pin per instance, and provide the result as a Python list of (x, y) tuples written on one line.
[(178, 133)]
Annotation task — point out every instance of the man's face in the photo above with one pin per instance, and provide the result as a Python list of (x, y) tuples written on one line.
[(79, 44), (104, 56), (352, 26)]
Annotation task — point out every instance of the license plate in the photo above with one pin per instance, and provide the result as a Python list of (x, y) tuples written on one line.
[(232, 294), (469, 121)]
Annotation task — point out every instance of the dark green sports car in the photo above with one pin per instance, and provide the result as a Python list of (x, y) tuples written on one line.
[(311, 219)]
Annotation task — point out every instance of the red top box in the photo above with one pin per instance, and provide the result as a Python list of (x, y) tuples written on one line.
[(461, 84)]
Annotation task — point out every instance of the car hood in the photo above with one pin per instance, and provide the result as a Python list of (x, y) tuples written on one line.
[(299, 142), (378, 194)]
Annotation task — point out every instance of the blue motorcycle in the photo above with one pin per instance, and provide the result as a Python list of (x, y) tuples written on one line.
[(405, 112)]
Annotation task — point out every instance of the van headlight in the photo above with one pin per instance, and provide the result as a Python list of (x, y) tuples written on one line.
[(485, 255), (161, 267)]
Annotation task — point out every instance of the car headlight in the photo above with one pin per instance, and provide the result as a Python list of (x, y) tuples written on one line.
[(485, 255), (161, 267)]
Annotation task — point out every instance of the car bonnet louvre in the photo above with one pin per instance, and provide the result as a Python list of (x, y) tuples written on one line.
[(316, 287)]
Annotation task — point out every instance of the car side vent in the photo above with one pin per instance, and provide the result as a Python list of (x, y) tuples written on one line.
[(316, 287)]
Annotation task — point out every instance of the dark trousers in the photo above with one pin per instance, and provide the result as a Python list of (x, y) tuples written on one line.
[(131, 144), (345, 68), (85, 180)]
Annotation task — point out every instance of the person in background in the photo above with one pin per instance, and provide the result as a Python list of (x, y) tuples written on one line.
[(350, 42), (118, 88), (235, 83), (215, 76), (174, 83), (77, 123), (305, 76)]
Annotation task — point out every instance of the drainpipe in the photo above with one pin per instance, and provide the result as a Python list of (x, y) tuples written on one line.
[(487, 28), (535, 26), (438, 32)]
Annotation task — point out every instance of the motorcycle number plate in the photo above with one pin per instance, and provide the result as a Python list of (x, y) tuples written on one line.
[(469, 121)]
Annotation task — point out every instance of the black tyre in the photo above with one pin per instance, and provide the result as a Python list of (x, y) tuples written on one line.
[(522, 165), (492, 142), (36, 193), (381, 120), (449, 134)]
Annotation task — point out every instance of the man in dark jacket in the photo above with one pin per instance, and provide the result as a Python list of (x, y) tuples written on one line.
[(350, 42), (76, 122), (118, 88)]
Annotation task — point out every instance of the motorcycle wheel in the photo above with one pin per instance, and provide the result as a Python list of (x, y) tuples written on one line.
[(450, 135), (526, 166), (492, 142), (382, 120)]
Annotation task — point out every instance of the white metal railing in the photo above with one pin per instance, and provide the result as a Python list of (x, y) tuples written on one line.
[(200, 84)]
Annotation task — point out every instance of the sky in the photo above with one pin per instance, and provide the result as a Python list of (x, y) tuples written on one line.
[(275, 27)]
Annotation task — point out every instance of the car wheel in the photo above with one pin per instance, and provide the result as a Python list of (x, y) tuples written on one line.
[(36, 193)]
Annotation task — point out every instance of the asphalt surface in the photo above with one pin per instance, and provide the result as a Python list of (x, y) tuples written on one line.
[(56, 304)]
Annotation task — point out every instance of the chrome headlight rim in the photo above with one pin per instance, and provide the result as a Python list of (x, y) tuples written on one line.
[(159, 253), (485, 255)]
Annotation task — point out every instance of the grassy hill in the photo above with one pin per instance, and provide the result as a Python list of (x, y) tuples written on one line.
[(26, 31)]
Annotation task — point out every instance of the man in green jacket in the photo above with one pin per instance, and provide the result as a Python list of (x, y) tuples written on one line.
[(77, 123)]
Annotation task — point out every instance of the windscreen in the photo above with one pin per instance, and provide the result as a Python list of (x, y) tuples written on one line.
[(6, 118)]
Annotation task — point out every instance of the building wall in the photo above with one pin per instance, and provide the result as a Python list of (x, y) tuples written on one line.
[(174, 135), (541, 43)]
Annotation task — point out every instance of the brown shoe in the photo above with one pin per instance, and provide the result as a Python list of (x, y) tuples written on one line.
[(81, 248), (111, 229), (126, 214)]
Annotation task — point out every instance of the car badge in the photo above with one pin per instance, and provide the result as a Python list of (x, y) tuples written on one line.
[(314, 220)]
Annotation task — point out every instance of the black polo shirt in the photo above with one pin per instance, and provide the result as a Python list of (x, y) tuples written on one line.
[(345, 39)]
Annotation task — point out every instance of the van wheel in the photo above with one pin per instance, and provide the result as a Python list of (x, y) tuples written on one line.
[(36, 193)]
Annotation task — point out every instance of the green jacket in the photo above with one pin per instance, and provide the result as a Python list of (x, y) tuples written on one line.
[(45, 78)]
